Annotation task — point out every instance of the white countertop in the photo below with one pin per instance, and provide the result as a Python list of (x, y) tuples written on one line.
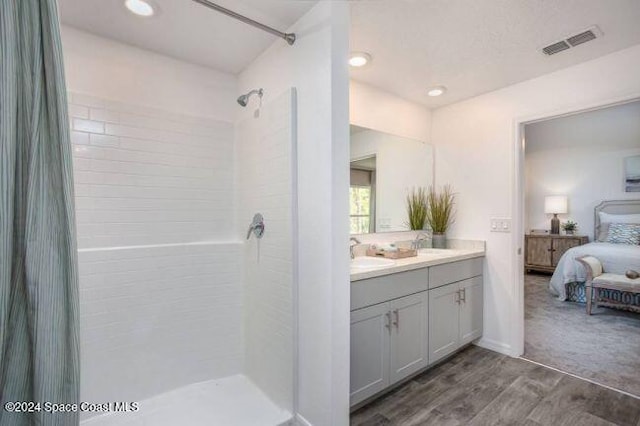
[(431, 258)]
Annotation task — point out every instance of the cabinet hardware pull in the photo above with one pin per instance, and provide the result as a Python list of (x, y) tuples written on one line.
[(464, 295), (387, 323), (397, 321), (457, 297)]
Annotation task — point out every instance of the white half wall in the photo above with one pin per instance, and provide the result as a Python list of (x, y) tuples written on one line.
[(475, 143), (376, 109), (580, 156), (316, 66)]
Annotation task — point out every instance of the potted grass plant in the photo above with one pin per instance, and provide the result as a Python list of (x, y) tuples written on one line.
[(440, 210), (417, 208)]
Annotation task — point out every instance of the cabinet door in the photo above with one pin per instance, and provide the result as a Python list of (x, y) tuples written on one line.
[(409, 330), (539, 251), (471, 306), (370, 329), (444, 309), (561, 245)]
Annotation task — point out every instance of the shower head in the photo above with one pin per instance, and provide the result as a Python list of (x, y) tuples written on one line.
[(244, 99)]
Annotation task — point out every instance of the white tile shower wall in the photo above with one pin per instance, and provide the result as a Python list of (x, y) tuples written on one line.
[(265, 182), (161, 291), (156, 318), (145, 176)]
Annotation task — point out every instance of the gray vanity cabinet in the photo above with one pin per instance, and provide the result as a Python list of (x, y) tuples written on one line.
[(409, 342), (444, 313), (369, 351), (471, 308), (455, 307), (389, 326), (402, 322), (388, 343)]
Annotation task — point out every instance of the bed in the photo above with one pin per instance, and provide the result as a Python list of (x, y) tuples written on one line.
[(568, 279)]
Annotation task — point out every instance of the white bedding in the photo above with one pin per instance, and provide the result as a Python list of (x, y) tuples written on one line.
[(616, 259)]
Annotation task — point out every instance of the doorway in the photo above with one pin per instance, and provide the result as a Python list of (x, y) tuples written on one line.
[(554, 159)]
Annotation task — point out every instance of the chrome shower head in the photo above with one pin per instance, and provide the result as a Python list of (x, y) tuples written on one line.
[(243, 100)]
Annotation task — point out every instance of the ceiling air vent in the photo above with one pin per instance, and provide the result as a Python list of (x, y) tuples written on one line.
[(573, 41), (581, 38), (554, 48)]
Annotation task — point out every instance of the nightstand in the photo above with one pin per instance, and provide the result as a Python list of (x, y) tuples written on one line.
[(543, 252)]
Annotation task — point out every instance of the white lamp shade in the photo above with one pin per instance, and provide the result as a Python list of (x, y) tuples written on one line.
[(555, 204)]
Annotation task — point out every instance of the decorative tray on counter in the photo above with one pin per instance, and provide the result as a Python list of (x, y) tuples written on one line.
[(397, 254)]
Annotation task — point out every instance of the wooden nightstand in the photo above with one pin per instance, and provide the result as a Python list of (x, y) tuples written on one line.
[(543, 252)]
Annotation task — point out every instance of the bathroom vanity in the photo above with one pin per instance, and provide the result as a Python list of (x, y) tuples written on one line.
[(409, 315)]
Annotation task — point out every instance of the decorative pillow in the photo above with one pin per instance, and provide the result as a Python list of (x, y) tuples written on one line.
[(607, 218), (624, 233)]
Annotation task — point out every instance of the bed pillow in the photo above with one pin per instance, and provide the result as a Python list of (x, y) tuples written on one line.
[(624, 233), (607, 218)]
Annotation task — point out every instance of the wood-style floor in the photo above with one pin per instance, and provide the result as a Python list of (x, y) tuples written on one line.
[(481, 387)]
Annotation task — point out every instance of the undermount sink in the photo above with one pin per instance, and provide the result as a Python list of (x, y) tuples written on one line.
[(368, 262)]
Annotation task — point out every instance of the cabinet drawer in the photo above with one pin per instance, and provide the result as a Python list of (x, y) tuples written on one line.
[(457, 271), (388, 287)]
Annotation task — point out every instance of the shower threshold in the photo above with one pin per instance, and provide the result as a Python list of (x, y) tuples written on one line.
[(230, 401)]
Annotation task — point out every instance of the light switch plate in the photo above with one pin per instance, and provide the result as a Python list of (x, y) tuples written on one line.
[(500, 224)]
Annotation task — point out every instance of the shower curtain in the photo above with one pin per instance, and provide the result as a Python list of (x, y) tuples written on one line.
[(39, 343)]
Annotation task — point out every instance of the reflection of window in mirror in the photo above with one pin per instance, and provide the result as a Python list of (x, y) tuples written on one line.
[(362, 195)]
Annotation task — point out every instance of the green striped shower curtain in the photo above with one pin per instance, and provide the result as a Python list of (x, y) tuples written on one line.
[(39, 343)]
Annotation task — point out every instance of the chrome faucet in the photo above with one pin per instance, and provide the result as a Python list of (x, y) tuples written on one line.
[(353, 241), (417, 243)]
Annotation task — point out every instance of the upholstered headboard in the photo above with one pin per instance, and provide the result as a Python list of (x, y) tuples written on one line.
[(614, 207)]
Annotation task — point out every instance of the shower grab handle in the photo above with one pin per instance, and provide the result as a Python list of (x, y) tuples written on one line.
[(257, 226)]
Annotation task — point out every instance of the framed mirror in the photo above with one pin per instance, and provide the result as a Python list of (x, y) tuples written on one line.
[(384, 168)]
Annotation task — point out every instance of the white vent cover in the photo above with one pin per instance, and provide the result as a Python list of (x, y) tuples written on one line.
[(573, 41)]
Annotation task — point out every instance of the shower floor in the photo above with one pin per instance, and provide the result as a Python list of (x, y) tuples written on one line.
[(229, 401)]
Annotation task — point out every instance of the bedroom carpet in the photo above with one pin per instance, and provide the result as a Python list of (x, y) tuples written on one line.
[(603, 347)]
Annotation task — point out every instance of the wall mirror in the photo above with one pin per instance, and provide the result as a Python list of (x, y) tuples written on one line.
[(384, 168)]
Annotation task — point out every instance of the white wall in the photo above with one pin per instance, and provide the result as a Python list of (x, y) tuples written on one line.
[(265, 172), (317, 67), (581, 156), (160, 286), (111, 70), (401, 165), (376, 109), (475, 144)]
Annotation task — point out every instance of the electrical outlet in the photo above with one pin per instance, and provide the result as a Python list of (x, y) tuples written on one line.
[(500, 224)]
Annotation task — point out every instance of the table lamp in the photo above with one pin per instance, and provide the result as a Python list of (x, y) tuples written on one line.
[(555, 204)]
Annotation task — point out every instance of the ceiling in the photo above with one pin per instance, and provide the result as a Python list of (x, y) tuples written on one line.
[(477, 46), (189, 31), (469, 46)]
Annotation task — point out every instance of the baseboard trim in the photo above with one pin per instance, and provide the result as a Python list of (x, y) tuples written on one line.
[(494, 345), (301, 421)]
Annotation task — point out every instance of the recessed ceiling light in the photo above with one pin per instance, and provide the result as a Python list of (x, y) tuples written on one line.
[(140, 7), (436, 91), (359, 59)]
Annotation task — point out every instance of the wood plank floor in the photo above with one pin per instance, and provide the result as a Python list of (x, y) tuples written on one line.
[(481, 387)]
